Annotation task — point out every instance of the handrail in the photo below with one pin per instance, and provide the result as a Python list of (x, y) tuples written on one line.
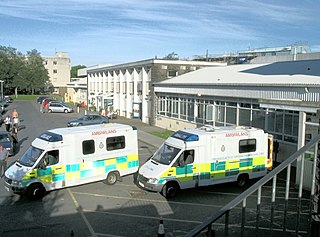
[(224, 210)]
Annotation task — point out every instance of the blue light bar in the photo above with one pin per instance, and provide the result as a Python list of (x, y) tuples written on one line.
[(50, 137), (184, 136)]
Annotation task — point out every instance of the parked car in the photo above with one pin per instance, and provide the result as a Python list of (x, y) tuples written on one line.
[(88, 119), (59, 107), (8, 99), (41, 98), (6, 140)]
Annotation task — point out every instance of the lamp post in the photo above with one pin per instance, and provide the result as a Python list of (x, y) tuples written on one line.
[(1, 89)]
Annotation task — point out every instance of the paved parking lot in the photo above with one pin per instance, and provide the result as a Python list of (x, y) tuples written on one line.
[(97, 209)]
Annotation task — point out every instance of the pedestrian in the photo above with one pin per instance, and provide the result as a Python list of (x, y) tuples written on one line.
[(4, 156), (14, 134), (7, 122), (15, 117)]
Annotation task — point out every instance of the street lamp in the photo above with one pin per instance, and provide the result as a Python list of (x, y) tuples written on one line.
[(1, 89)]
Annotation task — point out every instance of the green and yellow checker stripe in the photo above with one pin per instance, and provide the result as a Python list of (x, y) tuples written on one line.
[(214, 170), (82, 170)]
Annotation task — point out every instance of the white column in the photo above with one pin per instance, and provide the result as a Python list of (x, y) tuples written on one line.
[(301, 141)]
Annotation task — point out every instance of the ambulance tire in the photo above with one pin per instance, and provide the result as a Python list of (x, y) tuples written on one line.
[(170, 189), (112, 178), (36, 191), (242, 180)]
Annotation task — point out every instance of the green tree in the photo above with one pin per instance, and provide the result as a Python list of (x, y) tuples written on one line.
[(35, 75), (74, 70), (10, 65), (172, 56)]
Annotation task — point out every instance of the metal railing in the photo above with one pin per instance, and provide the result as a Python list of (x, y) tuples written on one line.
[(210, 224)]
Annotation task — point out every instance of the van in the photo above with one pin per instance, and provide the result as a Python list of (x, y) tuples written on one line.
[(66, 157), (207, 156), (59, 107)]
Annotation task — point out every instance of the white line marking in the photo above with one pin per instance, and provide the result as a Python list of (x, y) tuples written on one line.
[(80, 210)]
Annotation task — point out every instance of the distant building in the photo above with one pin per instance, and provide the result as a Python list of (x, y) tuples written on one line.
[(58, 67), (264, 55), (127, 88), (77, 91)]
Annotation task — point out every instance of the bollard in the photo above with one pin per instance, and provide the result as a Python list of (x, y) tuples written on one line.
[(72, 233), (161, 229), (78, 109), (85, 112)]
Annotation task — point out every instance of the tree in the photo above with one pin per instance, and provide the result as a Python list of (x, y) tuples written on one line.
[(35, 75), (10, 65), (74, 70), (172, 56)]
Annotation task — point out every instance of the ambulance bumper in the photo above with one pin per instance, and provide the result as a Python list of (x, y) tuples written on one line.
[(143, 183), (13, 188)]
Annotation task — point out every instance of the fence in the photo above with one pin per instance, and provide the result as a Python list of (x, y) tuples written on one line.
[(263, 212)]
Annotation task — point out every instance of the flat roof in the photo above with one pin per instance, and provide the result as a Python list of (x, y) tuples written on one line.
[(290, 73)]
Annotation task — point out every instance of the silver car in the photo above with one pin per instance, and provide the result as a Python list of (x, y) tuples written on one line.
[(88, 119), (59, 107)]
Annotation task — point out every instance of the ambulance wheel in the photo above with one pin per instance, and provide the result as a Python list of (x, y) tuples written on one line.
[(36, 191), (170, 189), (242, 180), (112, 178)]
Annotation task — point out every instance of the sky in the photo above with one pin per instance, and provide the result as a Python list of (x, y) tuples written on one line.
[(121, 31)]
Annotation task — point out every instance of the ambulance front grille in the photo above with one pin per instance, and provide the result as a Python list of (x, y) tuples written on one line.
[(142, 178), (7, 180)]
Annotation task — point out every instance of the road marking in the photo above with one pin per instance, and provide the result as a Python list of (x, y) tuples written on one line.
[(80, 210), (178, 203)]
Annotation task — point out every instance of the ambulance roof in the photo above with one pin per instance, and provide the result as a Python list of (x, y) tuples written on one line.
[(193, 134), (56, 134)]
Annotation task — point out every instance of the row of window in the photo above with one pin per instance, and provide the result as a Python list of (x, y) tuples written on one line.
[(283, 124), (112, 143)]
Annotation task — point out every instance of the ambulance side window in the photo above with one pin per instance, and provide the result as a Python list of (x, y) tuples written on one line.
[(88, 147), (116, 143), (186, 158), (50, 158), (247, 145)]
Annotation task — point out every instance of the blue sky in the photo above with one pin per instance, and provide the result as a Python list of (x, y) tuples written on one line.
[(119, 31)]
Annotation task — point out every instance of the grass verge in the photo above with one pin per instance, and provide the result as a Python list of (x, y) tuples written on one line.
[(164, 135)]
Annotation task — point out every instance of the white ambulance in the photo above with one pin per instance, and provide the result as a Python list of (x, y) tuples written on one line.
[(65, 157), (206, 156)]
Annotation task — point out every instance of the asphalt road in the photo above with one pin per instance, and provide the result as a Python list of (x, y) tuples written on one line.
[(98, 209)]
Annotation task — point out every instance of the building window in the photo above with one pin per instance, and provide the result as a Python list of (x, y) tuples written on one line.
[(172, 73), (55, 71), (55, 62)]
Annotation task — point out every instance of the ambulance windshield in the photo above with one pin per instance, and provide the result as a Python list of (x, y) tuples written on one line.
[(30, 156), (165, 154)]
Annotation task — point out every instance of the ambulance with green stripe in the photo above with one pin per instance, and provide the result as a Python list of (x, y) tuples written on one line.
[(66, 157), (207, 156)]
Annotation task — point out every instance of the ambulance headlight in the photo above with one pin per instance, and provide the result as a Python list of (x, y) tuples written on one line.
[(16, 183), (153, 180)]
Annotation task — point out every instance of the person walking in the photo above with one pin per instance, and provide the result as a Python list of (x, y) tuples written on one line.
[(4, 156), (7, 122), (14, 134), (15, 117)]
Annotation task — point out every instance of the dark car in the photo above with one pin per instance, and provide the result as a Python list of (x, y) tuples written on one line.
[(41, 98), (88, 119), (8, 99), (7, 141)]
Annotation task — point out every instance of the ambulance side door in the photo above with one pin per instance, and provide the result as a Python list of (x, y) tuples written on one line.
[(185, 168), (50, 170)]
